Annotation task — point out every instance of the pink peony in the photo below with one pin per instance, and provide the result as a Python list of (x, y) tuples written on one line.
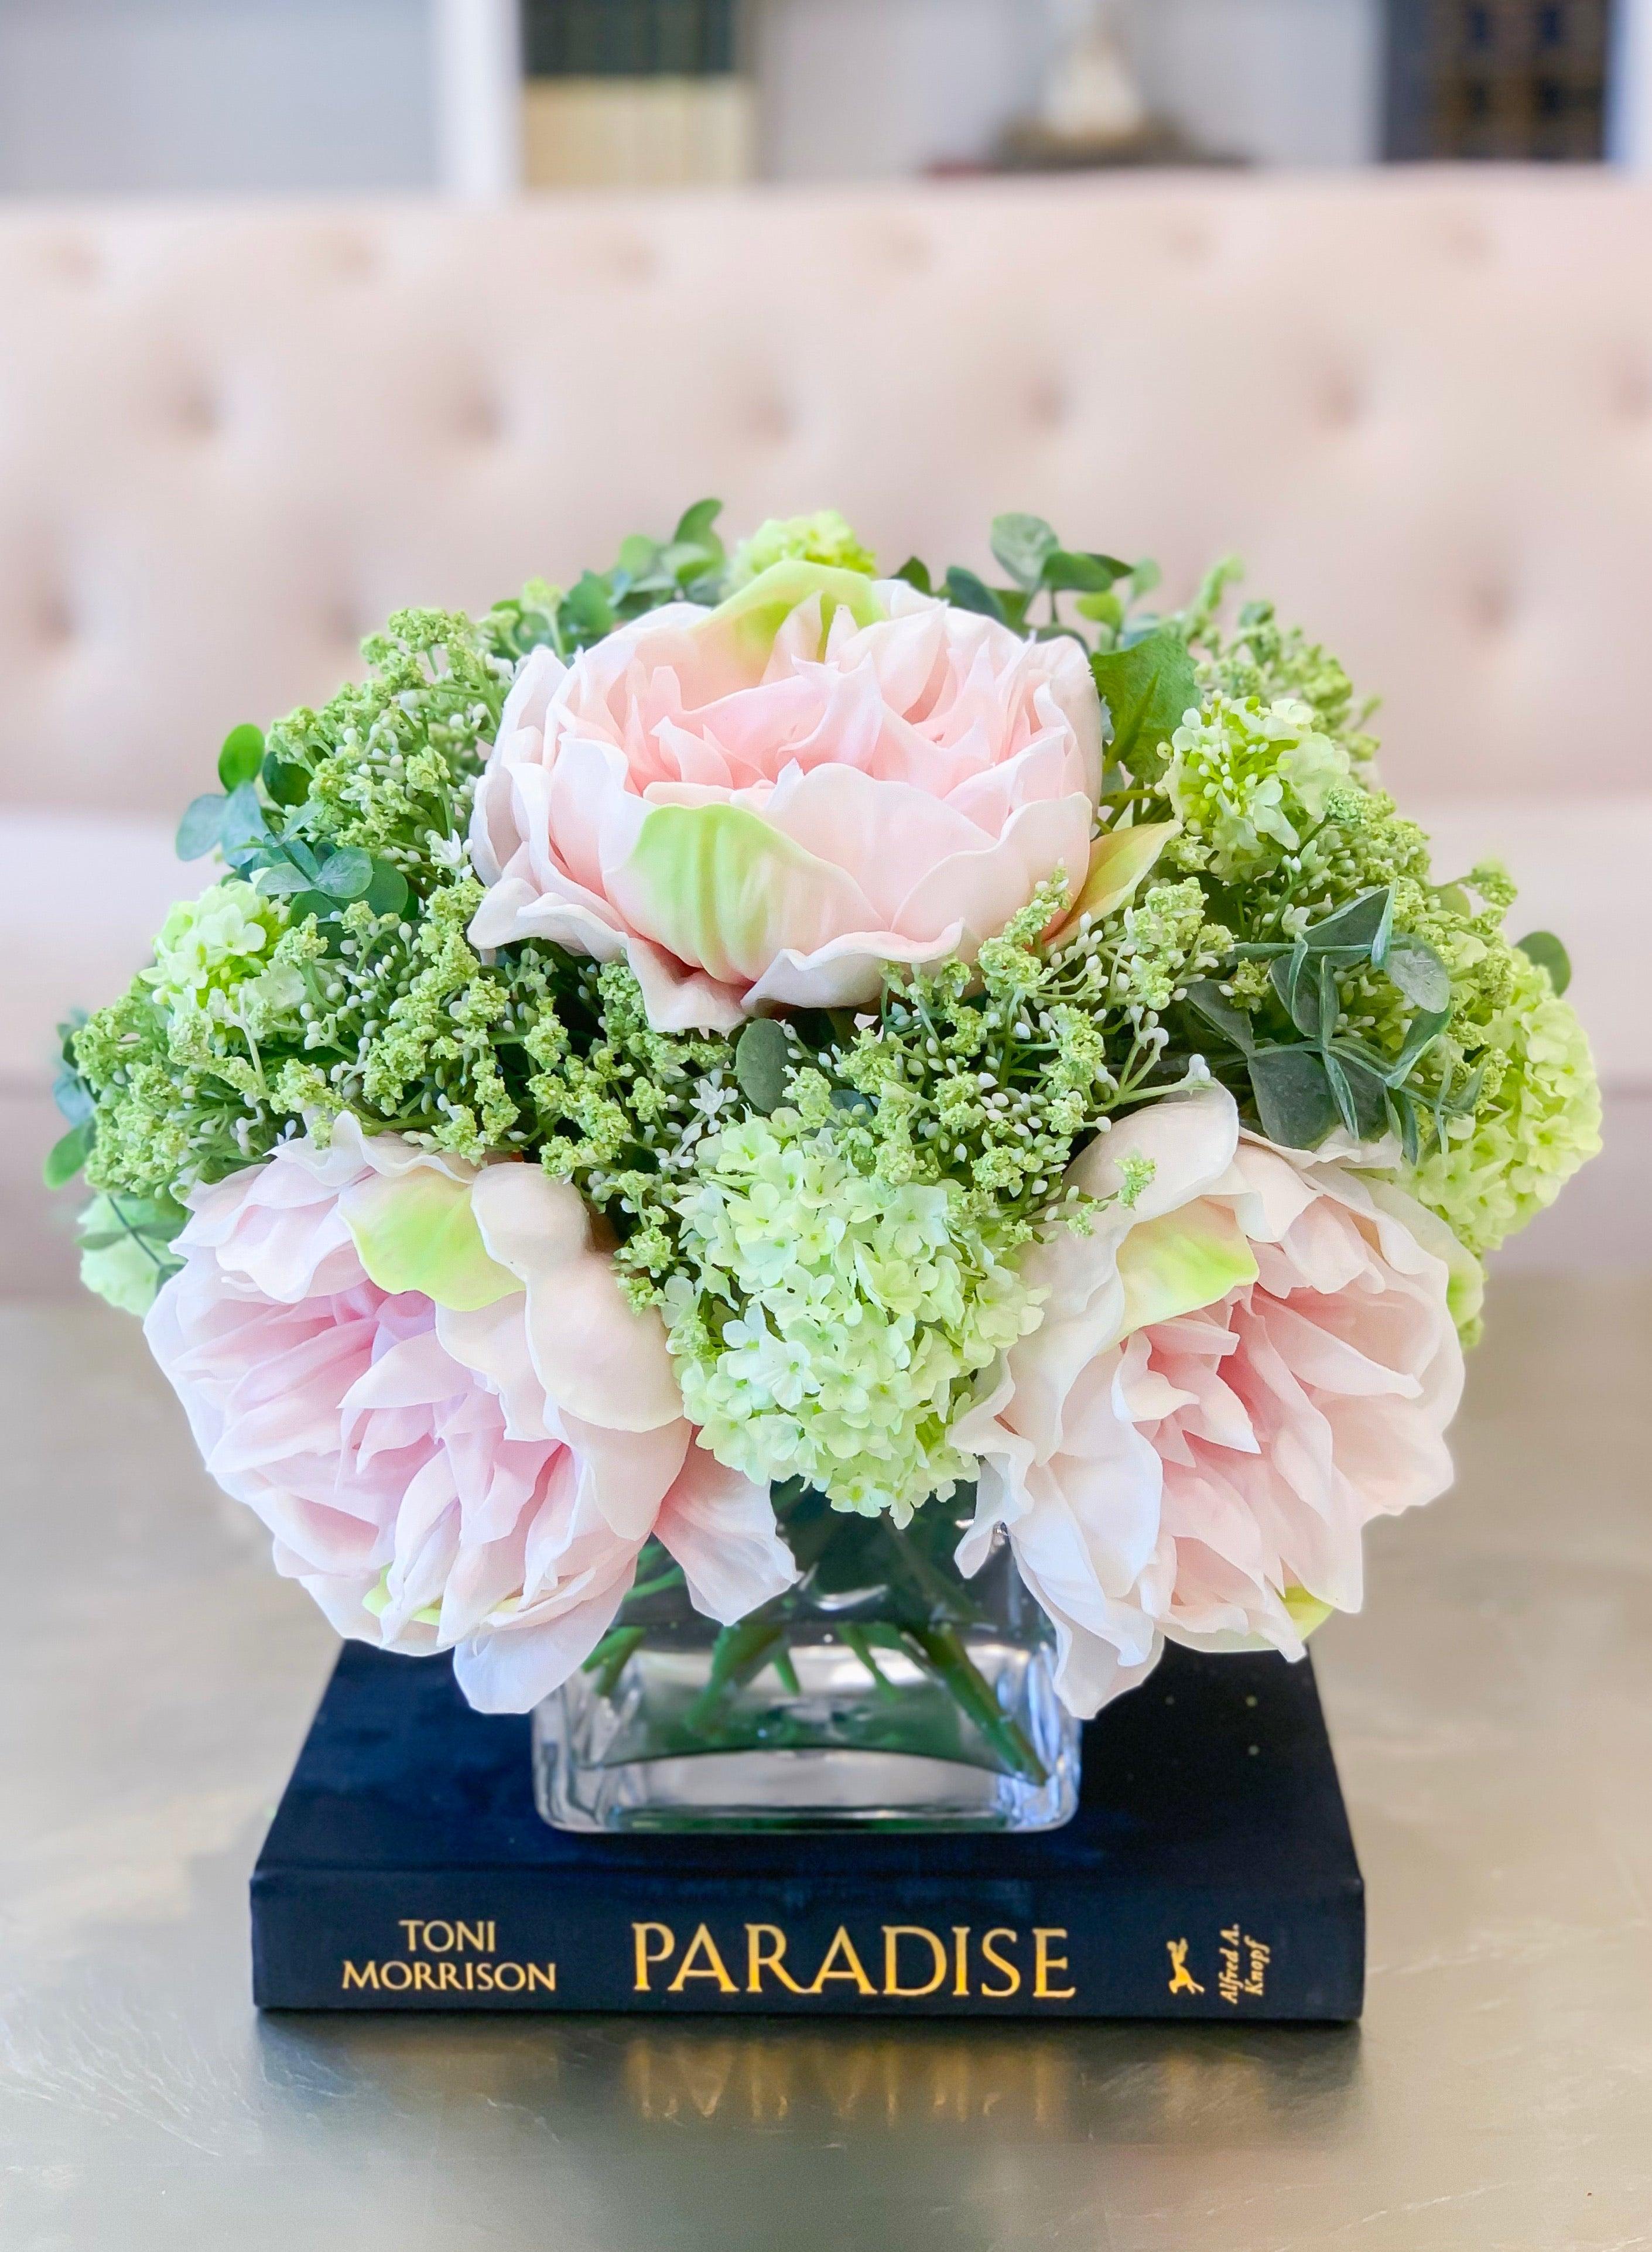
[(760, 805), (1231, 1379), (428, 1383)]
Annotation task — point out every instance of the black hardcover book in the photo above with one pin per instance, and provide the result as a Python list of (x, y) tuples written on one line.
[(1209, 1872)]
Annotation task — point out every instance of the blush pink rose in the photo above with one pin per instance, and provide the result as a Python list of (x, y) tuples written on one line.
[(761, 805), (428, 1384), (1231, 1378)]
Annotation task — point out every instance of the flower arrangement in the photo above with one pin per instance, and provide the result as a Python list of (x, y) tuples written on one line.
[(741, 1032)]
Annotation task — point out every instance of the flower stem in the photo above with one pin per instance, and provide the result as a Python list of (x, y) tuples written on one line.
[(940, 1650)]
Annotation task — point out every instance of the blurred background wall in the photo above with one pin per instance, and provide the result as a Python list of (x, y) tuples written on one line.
[(232, 439), (165, 95)]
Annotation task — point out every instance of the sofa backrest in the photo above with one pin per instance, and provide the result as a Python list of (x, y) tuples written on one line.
[(233, 439)]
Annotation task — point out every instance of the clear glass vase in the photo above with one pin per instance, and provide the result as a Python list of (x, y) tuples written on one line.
[(884, 1690)]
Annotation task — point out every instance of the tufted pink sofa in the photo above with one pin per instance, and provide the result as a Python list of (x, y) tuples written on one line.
[(232, 438)]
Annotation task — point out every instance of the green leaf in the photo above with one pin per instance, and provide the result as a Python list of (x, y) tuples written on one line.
[(588, 606), (763, 1063), (1421, 1035), (281, 876), (388, 893), (915, 572), (285, 783), (1402, 1116), (1103, 609), (347, 873), (71, 1093), (1207, 999), (1294, 1096), (1298, 992), (199, 831), (243, 824), (1545, 950), (1357, 928), (1065, 572), (242, 756), (1022, 544), (1342, 1094), (696, 527), (1419, 972), (639, 557), (1361, 1094), (966, 592), (1147, 689), (67, 1155), (312, 903)]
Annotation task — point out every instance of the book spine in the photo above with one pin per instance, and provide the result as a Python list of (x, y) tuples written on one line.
[(505, 1939)]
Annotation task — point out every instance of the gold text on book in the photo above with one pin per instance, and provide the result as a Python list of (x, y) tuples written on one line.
[(448, 1956), (895, 1961)]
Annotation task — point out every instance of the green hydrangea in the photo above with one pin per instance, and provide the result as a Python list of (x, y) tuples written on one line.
[(828, 1325), (1536, 1120), (1250, 780), (209, 945), (823, 538)]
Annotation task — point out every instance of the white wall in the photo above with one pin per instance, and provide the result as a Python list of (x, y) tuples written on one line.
[(99, 95), (854, 88), (1280, 81), (155, 95)]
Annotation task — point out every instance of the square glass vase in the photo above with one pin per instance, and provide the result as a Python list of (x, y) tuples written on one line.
[(884, 1691)]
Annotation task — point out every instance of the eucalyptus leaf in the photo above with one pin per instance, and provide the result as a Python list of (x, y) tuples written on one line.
[(1293, 1097), (1207, 999), (1147, 689), (71, 1094), (312, 903), (966, 592), (347, 873), (1366, 1090), (1423, 1030), (763, 1063), (1419, 972), (1023, 545), (588, 606), (280, 877), (1358, 926), (242, 756), (388, 893), (1298, 992), (915, 572), (639, 557), (696, 527), (67, 1155), (1066, 571), (284, 783), (243, 824), (199, 831), (1545, 950), (852, 1102), (1342, 1094), (1402, 1113)]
